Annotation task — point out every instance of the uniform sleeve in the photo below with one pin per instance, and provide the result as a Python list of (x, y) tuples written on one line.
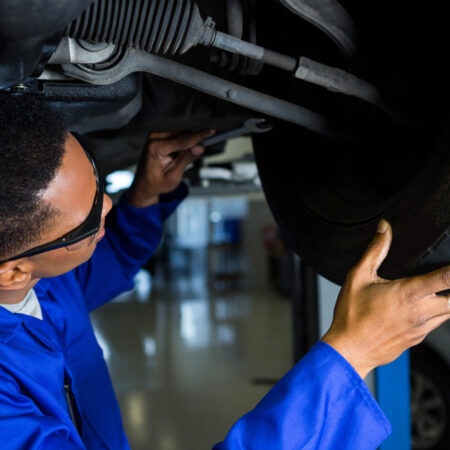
[(132, 236), (322, 403), (23, 426)]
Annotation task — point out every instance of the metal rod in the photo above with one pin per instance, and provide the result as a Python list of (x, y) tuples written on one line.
[(139, 61)]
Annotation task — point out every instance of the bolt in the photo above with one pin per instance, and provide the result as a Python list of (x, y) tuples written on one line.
[(92, 46), (231, 94)]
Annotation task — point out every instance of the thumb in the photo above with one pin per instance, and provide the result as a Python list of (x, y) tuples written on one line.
[(377, 250), (185, 159)]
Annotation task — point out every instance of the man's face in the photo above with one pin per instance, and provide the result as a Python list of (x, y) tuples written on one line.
[(72, 193)]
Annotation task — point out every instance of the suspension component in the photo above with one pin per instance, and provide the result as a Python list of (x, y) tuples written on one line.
[(155, 26), (172, 27), (163, 27)]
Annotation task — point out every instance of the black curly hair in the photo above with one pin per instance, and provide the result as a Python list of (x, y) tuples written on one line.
[(32, 136)]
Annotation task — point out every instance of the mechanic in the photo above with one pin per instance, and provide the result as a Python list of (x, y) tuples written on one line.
[(55, 390)]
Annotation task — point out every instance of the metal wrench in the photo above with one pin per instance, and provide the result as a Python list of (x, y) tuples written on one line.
[(250, 126)]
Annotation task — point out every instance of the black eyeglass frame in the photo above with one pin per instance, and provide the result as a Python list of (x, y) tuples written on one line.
[(88, 228)]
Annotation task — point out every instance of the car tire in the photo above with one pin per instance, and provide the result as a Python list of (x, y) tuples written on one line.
[(430, 400), (328, 210)]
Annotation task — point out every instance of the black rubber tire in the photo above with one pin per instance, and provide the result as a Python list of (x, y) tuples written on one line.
[(327, 196), (330, 230), (428, 364)]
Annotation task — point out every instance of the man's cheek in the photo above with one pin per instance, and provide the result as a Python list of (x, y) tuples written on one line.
[(89, 253), (68, 261), (81, 257)]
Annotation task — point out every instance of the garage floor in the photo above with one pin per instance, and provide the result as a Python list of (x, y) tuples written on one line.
[(186, 361)]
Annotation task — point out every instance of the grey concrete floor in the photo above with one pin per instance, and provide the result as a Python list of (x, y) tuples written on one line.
[(187, 361)]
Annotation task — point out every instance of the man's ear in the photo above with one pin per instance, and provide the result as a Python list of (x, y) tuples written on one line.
[(14, 275)]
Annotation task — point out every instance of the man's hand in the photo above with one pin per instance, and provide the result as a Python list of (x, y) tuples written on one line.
[(158, 171), (376, 320)]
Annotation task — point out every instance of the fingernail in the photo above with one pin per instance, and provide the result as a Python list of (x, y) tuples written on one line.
[(197, 150), (211, 132), (382, 226)]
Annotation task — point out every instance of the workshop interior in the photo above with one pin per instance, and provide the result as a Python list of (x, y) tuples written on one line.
[(330, 116)]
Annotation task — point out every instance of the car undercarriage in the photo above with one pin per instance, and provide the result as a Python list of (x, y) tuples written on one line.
[(356, 95)]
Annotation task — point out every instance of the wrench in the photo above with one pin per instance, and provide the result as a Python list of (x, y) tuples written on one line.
[(250, 126)]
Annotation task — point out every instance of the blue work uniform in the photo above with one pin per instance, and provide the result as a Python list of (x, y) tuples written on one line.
[(320, 403)]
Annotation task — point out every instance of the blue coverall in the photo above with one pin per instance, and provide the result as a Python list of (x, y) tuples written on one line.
[(321, 403)]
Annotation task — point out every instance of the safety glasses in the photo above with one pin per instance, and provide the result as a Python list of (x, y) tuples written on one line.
[(82, 236)]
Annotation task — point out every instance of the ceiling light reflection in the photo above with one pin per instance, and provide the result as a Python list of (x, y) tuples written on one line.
[(149, 346), (195, 323)]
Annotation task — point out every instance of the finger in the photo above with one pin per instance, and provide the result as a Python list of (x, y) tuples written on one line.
[(436, 323), (179, 164), (183, 142), (197, 150), (434, 306), (162, 134), (165, 162), (420, 286), (376, 251)]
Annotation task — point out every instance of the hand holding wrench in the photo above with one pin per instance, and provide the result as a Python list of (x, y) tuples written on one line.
[(250, 126)]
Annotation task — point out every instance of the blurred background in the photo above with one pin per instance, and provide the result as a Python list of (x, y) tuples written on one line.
[(207, 330)]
